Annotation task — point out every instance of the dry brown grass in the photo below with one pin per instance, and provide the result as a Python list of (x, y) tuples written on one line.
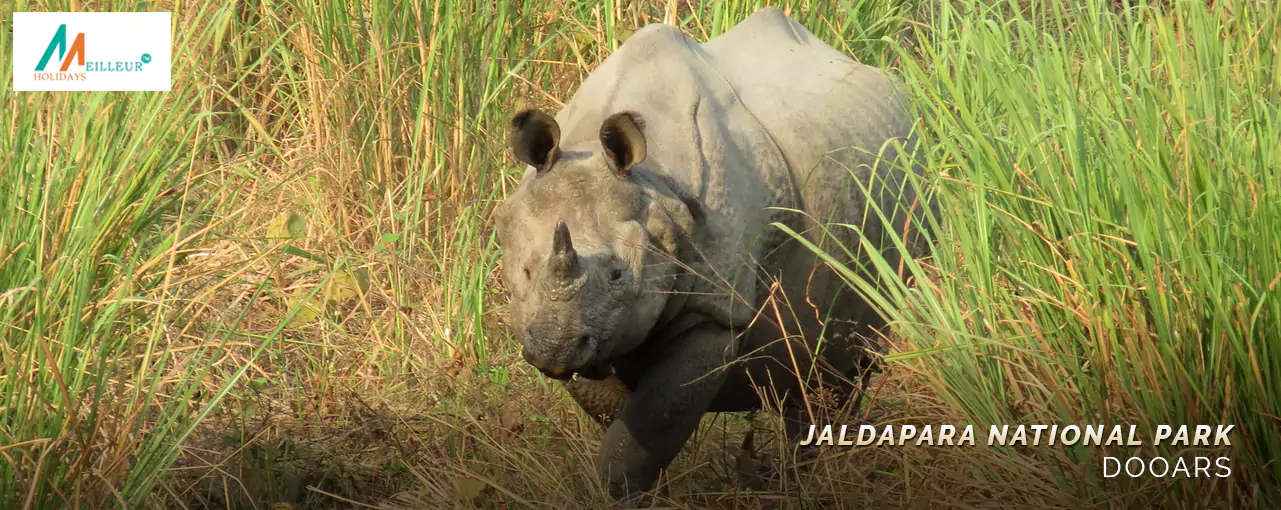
[(448, 430), (380, 129)]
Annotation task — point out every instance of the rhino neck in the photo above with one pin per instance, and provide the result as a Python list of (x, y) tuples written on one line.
[(674, 226)]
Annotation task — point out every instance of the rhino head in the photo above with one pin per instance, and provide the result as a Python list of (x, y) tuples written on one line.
[(588, 256)]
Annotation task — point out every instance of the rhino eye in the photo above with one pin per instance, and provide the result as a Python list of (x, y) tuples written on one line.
[(615, 275), (526, 273)]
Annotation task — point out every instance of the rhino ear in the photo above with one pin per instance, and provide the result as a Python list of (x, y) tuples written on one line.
[(535, 139), (623, 141)]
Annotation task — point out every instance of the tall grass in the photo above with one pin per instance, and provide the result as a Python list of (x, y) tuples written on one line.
[(373, 127), (178, 272), (1110, 188), (94, 201)]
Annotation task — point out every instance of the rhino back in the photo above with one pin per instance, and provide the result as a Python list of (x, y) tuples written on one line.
[(829, 114), (765, 116)]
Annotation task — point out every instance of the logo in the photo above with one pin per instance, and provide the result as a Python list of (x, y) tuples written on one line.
[(91, 51), (59, 43)]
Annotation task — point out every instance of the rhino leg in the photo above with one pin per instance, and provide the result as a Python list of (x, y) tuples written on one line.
[(796, 421), (663, 411), (849, 390), (602, 399)]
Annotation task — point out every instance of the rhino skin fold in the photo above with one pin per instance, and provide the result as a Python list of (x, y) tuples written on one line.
[(652, 193)]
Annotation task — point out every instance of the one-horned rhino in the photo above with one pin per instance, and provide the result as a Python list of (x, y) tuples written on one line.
[(642, 247)]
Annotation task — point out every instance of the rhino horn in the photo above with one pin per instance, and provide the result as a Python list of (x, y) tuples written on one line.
[(564, 259)]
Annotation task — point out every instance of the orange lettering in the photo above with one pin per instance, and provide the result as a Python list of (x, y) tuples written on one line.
[(77, 51)]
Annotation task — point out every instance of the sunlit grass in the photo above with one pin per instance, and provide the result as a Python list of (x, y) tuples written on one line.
[(1111, 213), (277, 282), (96, 199)]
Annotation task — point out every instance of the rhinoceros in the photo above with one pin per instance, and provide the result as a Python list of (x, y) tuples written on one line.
[(642, 251)]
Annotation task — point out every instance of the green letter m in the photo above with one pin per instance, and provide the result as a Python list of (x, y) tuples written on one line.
[(59, 43)]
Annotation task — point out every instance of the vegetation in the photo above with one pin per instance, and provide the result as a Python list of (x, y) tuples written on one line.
[(275, 285), (1111, 215)]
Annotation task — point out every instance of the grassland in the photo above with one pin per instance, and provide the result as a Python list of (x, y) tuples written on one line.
[(275, 286)]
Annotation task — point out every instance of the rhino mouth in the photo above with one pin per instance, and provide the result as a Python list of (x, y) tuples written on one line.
[(563, 375), (580, 358), (596, 371)]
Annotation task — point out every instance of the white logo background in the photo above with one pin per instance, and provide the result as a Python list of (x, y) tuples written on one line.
[(109, 37)]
